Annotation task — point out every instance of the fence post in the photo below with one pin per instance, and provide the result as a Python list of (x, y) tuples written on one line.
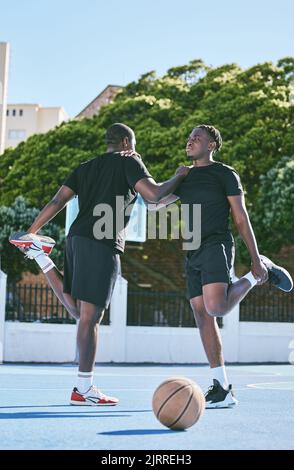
[(118, 319), (3, 284)]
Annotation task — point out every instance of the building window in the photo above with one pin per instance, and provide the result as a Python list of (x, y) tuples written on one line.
[(7, 112), (13, 112), (20, 112), (16, 134)]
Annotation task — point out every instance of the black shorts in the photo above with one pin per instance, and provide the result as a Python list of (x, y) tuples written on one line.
[(211, 263), (90, 270)]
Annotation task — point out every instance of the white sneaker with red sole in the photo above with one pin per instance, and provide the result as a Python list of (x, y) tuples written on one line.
[(93, 397), (32, 241)]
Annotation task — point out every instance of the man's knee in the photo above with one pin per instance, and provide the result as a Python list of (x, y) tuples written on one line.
[(94, 317), (201, 316), (216, 308)]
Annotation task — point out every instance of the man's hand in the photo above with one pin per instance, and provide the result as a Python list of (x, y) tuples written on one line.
[(183, 171), (130, 153), (259, 271)]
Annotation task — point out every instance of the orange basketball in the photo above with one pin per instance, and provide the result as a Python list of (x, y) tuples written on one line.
[(178, 403)]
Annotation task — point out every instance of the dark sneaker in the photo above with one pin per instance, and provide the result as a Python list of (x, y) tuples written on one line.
[(277, 276), (217, 397)]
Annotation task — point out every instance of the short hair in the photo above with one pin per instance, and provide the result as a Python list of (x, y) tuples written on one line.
[(117, 132), (215, 134)]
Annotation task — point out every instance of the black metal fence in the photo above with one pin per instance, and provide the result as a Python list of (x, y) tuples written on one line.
[(268, 304), (37, 302), (159, 309), (31, 303)]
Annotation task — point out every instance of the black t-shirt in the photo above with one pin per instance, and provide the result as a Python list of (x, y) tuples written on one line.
[(99, 181), (209, 186)]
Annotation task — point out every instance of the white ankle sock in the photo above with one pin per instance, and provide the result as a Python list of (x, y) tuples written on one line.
[(85, 381), (249, 276), (44, 262), (220, 374)]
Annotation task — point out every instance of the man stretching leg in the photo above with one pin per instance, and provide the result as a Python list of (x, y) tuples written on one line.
[(217, 188), (91, 257)]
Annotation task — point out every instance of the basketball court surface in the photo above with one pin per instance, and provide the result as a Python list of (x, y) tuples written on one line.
[(35, 413)]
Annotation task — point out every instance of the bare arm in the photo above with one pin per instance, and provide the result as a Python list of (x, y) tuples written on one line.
[(242, 222), (153, 192), (162, 203), (57, 203)]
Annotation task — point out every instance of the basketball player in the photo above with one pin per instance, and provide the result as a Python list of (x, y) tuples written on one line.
[(217, 187), (91, 262)]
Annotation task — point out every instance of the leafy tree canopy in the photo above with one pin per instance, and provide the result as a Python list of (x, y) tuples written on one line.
[(253, 108), (19, 216)]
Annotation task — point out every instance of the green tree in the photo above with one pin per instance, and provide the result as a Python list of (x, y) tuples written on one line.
[(272, 217), (253, 108), (37, 167), (274, 211)]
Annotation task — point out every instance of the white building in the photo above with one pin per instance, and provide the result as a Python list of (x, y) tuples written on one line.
[(20, 121), (4, 64), (24, 120)]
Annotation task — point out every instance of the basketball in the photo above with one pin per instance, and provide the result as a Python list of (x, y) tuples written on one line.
[(178, 403)]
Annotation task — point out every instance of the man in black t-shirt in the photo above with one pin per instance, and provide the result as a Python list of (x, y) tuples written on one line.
[(108, 183), (217, 188)]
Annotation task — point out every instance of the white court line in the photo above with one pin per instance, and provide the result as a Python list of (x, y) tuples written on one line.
[(98, 374), (268, 386), (67, 389)]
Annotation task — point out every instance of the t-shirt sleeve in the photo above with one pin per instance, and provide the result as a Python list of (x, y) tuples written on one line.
[(232, 183), (135, 170), (72, 180)]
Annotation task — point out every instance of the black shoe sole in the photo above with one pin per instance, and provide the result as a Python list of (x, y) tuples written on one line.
[(286, 282)]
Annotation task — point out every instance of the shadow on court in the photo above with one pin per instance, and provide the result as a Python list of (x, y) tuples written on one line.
[(140, 432), (89, 410), (45, 415)]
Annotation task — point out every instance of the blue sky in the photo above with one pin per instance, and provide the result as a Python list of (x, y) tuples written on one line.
[(64, 52)]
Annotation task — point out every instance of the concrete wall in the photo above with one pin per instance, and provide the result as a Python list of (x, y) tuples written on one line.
[(243, 341), (265, 342), (39, 342)]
